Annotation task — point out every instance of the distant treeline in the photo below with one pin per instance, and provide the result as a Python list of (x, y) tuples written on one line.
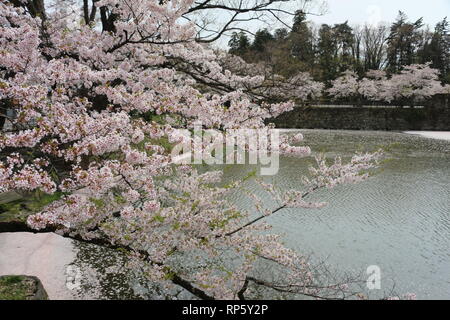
[(327, 51)]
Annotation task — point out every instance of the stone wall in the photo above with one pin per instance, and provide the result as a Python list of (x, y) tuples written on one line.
[(434, 115)]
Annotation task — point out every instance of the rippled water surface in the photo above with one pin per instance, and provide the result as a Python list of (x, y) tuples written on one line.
[(399, 219)]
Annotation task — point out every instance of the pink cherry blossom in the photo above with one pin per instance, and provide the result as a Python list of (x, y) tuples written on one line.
[(97, 107)]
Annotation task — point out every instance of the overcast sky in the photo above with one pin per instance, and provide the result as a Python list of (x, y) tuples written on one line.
[(374, 11), (360, 12)]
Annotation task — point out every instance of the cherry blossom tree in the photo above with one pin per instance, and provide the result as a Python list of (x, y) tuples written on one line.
[(372, 87), (300, 88), (98, 94), (346, 86), (414, 83)]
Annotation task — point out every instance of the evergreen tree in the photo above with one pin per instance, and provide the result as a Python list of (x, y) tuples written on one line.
[(439, 49), (301, 41), (262, 38), (344, 40), (403, 42), (326, 50), (233, 44), (280, 34), (239, 43)]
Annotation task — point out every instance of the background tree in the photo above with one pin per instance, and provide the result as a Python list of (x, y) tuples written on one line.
[(403, 42), (439, 50), (239, 43), (327, 51), (344, 39), (374, 47), (301, 42), (262, 38), (280, 34), (327, 54), (357, 50)]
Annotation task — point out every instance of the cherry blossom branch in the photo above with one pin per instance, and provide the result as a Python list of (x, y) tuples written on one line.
[(265, 216)]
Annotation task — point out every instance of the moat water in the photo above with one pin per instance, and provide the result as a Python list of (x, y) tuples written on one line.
[(398, 220)]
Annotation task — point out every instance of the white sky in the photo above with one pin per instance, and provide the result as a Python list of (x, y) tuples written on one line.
[(374, 11), (360, 12)]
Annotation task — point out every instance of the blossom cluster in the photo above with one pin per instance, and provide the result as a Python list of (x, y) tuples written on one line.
[(416, 82), (95, 115)]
